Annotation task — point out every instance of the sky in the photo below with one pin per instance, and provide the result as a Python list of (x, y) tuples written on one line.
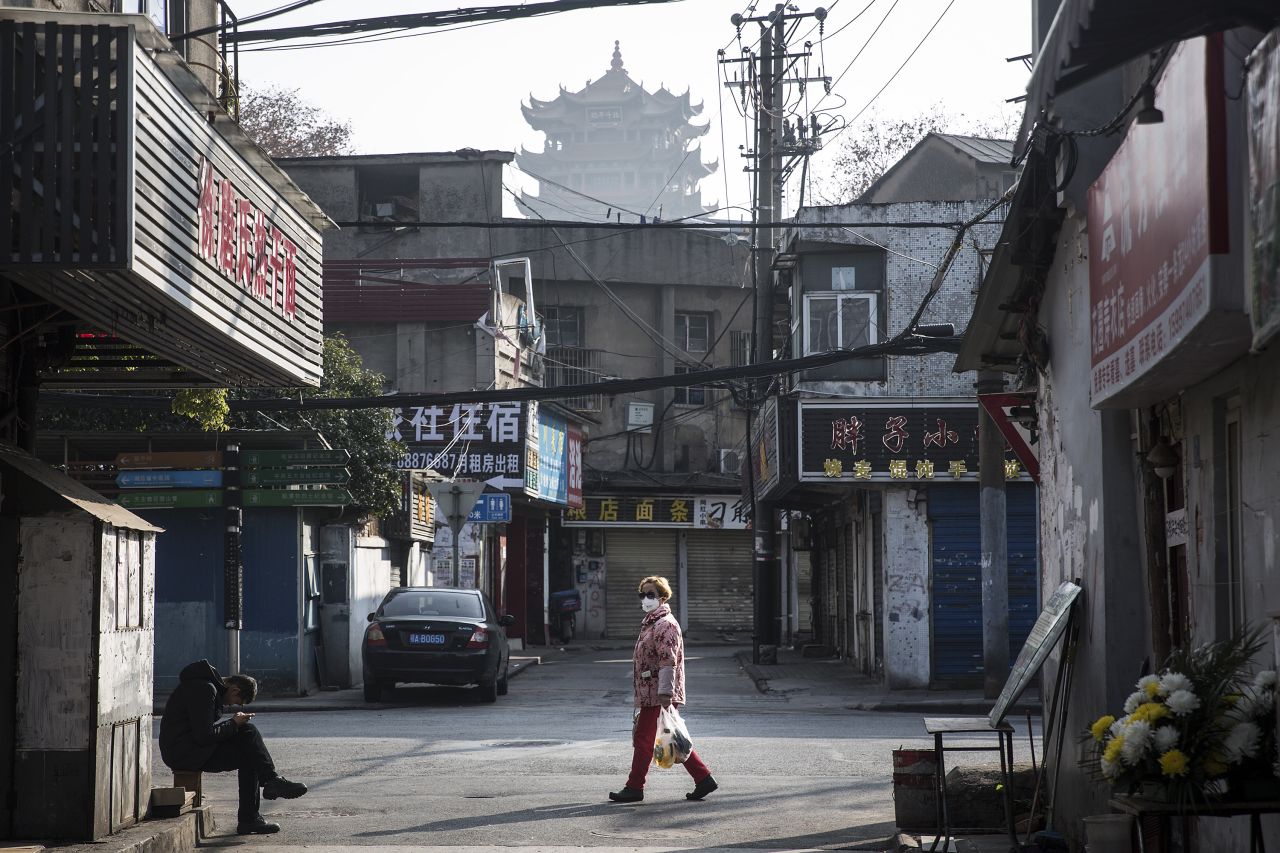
[(444, 90)]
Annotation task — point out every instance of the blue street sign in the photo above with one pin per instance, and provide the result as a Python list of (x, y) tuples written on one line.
[(491, 509), (169, 479)]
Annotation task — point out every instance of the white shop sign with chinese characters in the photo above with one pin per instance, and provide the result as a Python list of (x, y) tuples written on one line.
[(721, 513), (468, 440)]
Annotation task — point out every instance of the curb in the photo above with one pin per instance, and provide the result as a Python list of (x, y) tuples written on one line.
[(975, 706), (179, 834), (316, 702)]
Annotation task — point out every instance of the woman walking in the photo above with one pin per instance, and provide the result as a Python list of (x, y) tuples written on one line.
[(659, 683)]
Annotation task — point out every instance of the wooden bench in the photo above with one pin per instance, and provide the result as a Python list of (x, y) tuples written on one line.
[(192, 780)]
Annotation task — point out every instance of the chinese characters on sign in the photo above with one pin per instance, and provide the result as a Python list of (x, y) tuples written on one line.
[(720, 512), (573, 460), (239, 240), (884, 441), (1156, 214), (465, 440)]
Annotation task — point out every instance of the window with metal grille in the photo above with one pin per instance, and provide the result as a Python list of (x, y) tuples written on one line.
[(692, 395), (563, 324), (574, 366), (693, 332)]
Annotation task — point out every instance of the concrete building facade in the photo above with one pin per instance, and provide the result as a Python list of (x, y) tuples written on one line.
[(1129, 304), (406, 280), (887, 446)]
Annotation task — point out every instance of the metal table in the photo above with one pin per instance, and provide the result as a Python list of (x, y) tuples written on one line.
[(940, 727), (1165, 812)]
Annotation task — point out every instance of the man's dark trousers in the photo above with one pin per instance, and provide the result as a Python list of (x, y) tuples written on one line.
[(244, 751)]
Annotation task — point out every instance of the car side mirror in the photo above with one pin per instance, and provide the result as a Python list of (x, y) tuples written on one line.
[(371, 617), (507, 621)]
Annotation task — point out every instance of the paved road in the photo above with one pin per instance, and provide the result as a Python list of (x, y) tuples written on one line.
[(442, 770)]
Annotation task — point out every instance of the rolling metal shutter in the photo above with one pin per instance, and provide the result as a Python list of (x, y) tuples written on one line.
[(804, 592), (631, 555), (957, 578), (720, 584)]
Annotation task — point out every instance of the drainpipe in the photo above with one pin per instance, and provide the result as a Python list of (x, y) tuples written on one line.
[(546, 580), (994, 544)]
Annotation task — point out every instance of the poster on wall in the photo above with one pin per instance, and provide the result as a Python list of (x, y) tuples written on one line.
[(467, 573), (552, 477), (1264, 187)]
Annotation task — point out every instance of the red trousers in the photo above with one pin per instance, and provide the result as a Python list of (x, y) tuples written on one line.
[(646, 731)]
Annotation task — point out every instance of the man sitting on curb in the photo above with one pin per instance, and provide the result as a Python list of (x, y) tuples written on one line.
[(193, 738)]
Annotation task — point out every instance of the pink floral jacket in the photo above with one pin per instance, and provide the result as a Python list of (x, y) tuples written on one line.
[(660, 645)]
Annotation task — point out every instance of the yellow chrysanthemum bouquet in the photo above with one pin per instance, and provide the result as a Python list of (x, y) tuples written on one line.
[(1202, 722)]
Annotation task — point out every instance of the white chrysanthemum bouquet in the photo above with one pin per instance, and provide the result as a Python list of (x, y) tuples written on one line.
[(1201, 722)]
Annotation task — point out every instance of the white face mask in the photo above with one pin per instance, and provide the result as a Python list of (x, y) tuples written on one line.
[(649, 604)]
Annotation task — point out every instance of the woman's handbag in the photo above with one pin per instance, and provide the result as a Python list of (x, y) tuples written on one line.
[(672, 744)]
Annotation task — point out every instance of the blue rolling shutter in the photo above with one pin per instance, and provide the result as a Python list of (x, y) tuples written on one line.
[(957, 578)]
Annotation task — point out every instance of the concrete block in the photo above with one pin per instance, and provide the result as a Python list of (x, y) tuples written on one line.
[(171, 802)]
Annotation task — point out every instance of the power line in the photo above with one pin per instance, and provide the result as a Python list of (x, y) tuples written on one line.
[(674, 224), (895, 74), (417, 20)]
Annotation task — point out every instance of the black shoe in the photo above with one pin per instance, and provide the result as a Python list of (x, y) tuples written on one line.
[(700, 790), (281, 788), (260, 826), (627, 795)]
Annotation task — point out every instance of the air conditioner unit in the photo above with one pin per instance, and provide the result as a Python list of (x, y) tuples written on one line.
[(730, 461)]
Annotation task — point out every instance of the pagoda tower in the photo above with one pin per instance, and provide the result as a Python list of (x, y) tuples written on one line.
[(614, 148)]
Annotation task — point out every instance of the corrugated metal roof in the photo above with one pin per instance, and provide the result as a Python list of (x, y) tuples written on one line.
[(980, 148), (76, 494)]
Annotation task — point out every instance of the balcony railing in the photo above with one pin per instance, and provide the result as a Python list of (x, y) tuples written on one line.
[(574, 366)]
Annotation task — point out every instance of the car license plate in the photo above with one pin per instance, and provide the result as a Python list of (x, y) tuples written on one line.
[(426, 639)]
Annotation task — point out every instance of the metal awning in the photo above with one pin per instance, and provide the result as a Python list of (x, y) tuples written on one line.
[(1088, 37), (995, 338)]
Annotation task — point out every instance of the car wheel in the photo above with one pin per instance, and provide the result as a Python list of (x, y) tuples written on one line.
[(489, 691), (502, 683), (372, 691)]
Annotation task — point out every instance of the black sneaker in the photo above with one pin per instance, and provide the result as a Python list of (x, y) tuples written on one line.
[(700, 790), (259, 826), (627, 795), (281, 788)]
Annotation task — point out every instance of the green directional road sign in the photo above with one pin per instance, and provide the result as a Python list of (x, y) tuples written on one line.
[(295, 476), (270, 458), (296, 497), (185, 499)]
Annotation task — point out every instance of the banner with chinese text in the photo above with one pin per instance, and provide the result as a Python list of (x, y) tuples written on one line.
[(1156, 214)]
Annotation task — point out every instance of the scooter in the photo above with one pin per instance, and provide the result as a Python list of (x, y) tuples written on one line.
[(563, 605)]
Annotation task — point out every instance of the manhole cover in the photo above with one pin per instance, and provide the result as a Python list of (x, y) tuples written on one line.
[(518, 744), (647, 834)]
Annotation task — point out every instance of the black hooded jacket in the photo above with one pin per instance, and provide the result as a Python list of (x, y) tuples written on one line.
[(190, 729)]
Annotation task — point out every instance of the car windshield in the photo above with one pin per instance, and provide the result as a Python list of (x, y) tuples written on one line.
[(434, 603)]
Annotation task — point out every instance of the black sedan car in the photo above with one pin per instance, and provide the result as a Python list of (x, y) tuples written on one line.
[(436, 635)]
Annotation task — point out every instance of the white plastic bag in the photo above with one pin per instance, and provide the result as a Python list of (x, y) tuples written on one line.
[(672, 744)]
